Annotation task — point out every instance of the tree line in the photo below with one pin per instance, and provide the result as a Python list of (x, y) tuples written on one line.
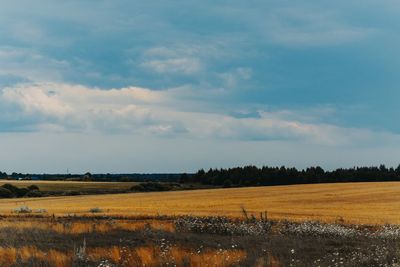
[(100, 177), (254, 176)]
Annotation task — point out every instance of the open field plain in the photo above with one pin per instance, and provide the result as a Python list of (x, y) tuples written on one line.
[(361, 203), (126, 229), (70, 185)]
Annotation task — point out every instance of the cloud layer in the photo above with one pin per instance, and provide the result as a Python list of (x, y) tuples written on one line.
[(54, 107)]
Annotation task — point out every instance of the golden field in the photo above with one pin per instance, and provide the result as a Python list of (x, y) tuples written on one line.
[(70, 185), (366, 203)]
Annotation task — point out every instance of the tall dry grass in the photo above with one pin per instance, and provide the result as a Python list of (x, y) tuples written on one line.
[(122, 256), (14, 256), (81, 227), (154, 256)]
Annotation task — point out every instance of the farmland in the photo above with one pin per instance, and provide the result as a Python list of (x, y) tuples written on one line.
[(299, 225), (46, 186), (361, 203)]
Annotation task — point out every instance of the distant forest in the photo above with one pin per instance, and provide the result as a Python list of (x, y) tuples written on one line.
[(235, 177), (254, 176), (100, 177)]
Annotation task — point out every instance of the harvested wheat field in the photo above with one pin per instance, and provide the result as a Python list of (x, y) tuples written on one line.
[(70, 185), (366, 203)]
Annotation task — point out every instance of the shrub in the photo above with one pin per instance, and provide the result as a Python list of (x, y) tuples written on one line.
[(18, 192), (137, 187), (21, 192), (33, 187), (10, 187), (71, 193), (151, 187), (5, 193), (34, 193)]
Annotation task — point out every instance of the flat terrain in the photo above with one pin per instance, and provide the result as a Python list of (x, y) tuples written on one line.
[(70, 185), (354, 202)]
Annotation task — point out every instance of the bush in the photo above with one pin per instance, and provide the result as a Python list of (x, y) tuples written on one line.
[(21, 192), (17, 192), (33, 187), (10, 187), (71, 193), (34, 193), (138, 187), (151, 187), (5, 193)]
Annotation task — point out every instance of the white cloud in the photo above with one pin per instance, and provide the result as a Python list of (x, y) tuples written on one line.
[(48, 107), (30, 65), (174, 65), (187, 59), (232, 79)]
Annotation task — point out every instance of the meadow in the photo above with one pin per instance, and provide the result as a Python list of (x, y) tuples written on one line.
[(358, 203), (38, 241), (351, 224)]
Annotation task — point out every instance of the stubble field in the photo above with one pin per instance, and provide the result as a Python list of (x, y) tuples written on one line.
[(46, 186), (359, 203)]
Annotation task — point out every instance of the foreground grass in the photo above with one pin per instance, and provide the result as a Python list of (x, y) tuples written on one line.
[(359, 203), (192, 241), (80, 241)]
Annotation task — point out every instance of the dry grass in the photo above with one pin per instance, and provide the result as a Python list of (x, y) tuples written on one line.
[(38, 243), (71, 185), (86, 226), (208, 257), (9, 256), (354, 202), (140, 256), (151, 256)]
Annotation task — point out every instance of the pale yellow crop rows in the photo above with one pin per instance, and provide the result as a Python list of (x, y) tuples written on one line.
[(354, 202)]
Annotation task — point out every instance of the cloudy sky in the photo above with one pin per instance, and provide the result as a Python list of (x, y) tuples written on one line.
[(170, 86)]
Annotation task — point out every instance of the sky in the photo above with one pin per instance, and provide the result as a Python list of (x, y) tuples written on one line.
[(174, 86)]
